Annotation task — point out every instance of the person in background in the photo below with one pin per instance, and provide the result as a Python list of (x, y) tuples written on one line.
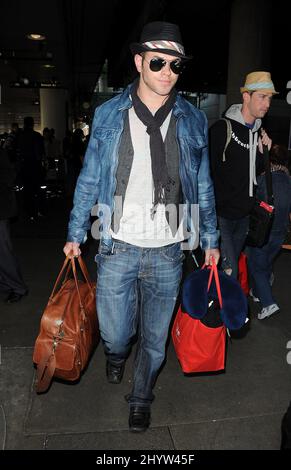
[(148, 148), (78, 150), (236, 157), (260, 260), (47, 142), (32, 152), (70, 178), (11, 143), (11, 280)]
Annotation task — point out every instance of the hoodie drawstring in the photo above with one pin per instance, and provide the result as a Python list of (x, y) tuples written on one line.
[(253, 141)]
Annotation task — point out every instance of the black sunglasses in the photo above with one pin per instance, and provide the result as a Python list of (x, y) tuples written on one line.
[(157, 63)]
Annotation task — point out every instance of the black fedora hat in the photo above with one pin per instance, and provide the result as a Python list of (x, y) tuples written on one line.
[(160, 36)]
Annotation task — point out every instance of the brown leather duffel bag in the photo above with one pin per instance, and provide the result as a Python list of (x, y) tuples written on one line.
[(68, 329)]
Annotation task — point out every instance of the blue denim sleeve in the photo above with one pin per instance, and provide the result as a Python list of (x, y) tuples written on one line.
[(86, 192), (209, 234)]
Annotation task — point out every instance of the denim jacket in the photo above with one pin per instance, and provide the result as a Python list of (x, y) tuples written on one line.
[(97, 179)]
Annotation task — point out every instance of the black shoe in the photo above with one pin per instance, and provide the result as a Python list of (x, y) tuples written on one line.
[(14, 297), (114, 373), (139, 419)]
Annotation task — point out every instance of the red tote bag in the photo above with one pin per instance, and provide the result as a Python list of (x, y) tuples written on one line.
[(199, 348)]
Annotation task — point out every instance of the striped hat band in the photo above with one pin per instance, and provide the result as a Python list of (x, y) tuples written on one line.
[(161, 44), (260, 85), (259, 81)]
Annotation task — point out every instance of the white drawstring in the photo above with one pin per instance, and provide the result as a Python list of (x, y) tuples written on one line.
[(255, 157), (253, 141)]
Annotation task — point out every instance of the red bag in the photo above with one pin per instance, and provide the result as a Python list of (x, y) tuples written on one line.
[(199, 348), (243, 273)]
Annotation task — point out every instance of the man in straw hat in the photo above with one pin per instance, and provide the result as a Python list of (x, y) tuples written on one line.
[(236, 158), (147, 154)]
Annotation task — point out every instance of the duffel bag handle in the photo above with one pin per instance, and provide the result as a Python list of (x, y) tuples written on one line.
[(86, 276), (82, 267), (60, 276), (84, 270), (70, 264)]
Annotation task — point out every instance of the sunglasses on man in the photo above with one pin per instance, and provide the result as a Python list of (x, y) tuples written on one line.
[(157, 63)]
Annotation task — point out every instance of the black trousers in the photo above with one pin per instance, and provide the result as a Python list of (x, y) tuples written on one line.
[(34, 198), (10, 274)]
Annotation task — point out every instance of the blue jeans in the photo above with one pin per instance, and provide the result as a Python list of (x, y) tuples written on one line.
[(232, 235), (137, 287), (260, 262)]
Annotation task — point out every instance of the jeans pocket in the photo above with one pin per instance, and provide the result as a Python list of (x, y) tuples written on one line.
[(173, 253), (106, 252)]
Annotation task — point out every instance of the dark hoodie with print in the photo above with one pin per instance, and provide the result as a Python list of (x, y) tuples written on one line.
[(234, 174)]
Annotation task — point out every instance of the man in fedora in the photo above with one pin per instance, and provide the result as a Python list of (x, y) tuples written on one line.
[(236, 158), (147, 154)]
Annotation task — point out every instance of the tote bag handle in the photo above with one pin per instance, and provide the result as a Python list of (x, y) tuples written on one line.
[(214, 272)]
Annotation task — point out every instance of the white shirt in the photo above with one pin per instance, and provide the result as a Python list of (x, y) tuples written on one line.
[(136, 224)]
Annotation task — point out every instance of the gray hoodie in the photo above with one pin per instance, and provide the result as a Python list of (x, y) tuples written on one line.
[(234, 112)]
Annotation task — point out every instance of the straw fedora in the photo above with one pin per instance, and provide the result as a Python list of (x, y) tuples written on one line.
[(160, 36), (259, 81)]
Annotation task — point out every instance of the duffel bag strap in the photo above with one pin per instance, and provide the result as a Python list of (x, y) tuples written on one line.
[(85, 272), (59, 277), (77, 284), (45, 372)]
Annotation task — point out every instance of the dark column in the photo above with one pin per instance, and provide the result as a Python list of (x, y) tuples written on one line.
[(249, 43)]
